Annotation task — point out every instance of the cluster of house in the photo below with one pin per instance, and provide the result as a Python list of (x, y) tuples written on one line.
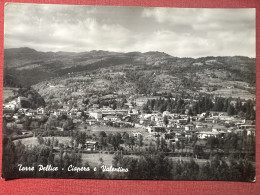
[(13, 105), (15, 109), (181, 127), (171, 126)]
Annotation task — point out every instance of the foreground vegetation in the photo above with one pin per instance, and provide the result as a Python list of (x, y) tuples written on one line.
[(153, 163)]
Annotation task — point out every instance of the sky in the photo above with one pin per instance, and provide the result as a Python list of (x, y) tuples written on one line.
[(181, 32)]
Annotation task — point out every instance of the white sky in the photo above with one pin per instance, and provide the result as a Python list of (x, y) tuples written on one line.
[(179, 32)]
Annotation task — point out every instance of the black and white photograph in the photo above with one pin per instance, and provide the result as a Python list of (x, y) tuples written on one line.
[(136, 93)]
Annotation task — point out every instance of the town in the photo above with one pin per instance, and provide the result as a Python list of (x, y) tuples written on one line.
[(116, 116), (177, 133)]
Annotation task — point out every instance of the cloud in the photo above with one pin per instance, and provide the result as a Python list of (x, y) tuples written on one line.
[(176, 31)]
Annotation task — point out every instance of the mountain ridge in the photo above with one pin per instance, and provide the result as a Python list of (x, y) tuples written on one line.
[(27, 49), (29, 66)]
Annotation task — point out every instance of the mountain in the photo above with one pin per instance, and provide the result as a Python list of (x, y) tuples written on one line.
[(26, 66)]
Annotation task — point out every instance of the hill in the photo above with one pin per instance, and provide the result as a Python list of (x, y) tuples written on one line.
[(26, 66)]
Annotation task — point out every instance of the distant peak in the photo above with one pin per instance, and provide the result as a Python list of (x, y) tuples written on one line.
[(22, 49), (157, 53)]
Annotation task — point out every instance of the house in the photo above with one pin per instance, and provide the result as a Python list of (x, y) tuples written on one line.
[(184, 116), (206, 134), (218, 128), (180, 138), (106, 108), (76, 121), (201, 125), (108, 112), (217, 114), (141, 101), (194, 118), (57, 113), (30, 112), (169, 136), (79, 114), (60, 112), (182, 121), (109, 97), (246, 126), (209, 120), (250, 131), (95, 106), (239, 123), (189, 127), (91, 145), (17, 116), (143, 121), (137, 134), (240, 132), (156, 130), (91, 121), (176, 130), (188, 135), (122, 112), (158, 118), (111, 118), (22, 110), (95, 114), (74, 111), (40, 110), (166, 113), (66, 108), (129, 105), (133, 112), (227, 118), (202, 115), (60, 128), (9, 108)]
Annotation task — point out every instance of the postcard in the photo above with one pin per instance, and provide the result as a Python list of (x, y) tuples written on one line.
[(139, 93)]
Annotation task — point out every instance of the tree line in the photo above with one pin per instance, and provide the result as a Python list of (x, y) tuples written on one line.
[(149, 165), (203, 104), (154, 166)]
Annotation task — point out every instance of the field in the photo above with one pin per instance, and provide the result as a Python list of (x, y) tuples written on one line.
[(234, 93), (32, 141), (200, 162), (8, 92), (94, 159), (108, 129)]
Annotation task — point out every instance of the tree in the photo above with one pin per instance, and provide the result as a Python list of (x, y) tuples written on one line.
[(125, 138), (146, 109), (102, 134), (68, 125), (158, 143), (231, 110), (198, 151), (171, 146), (212, 142), (27, 122), (81, 138), (140, 141), (166, 120), (163, 144), (40, 140), (115, 140), (114, 106), (56, 142), (132, 141)]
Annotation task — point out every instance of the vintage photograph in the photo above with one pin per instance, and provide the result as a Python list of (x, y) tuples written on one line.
[(139, 93)]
